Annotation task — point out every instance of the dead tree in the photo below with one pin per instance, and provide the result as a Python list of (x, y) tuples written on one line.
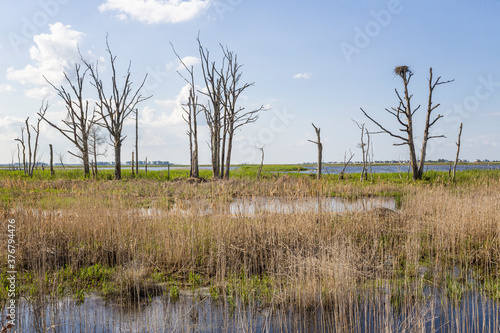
[(132, 163), (236, 116), (18, 158), (79, 119), (458, 150), (96, 140), (30, 165), (261, 161), (215, 107), (114, 106), (51, 161), (365, 149), (61, 159), (404, 115), (191, 111), (346, 163), (137, 141), (320, 149), (223, 115), (21, 141)]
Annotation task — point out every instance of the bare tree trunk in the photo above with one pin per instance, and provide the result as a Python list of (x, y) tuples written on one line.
[(85, 156), (229, 151), (320, 150), (18, 158), (30, 173), (137, 141), (458, 150), (146, 166), (93, 167), (51, 160), (132, 163), (118, 167), (261, 161)]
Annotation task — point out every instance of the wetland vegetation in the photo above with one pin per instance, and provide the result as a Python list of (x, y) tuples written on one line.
[(430, 264)]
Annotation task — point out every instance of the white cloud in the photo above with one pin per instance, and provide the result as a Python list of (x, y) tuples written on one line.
[(302, 76), (39, 93), (10, 128), (52, 54), (173, 108), (188, 61), (156, 11), (5, 88)]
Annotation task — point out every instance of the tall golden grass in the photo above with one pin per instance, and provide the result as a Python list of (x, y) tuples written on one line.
[(378, 269)]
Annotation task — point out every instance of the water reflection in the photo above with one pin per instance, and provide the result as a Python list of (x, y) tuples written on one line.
[(280, 205), (368, 312)]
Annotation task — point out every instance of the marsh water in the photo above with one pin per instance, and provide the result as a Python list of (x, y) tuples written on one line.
[(197, 312), (280, 205)]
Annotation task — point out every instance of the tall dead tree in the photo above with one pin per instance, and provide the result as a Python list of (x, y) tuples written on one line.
[(137, 141), (223, 115), (29, 166), (114, 106), (404, 115), (365, 149), (79, 118), (320, 149), (21, 141), (236, 116), (458, 150), (191, 111), (214, 108)]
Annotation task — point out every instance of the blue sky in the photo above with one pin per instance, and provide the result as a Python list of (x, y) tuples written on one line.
[(315, 61)]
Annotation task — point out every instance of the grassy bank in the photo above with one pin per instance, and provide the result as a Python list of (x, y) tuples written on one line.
[(142, 237)]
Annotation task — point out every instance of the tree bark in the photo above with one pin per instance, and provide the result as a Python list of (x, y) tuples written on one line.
[(132, 163), (261, 162), (51, 160), (458, 151), (118, 167)]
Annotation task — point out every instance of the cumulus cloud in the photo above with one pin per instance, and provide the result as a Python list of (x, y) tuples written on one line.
[(156, 11), (188, 61), (305, 76), (52, 54)]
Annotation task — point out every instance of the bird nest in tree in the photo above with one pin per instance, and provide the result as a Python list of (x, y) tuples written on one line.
[(402, 70)]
